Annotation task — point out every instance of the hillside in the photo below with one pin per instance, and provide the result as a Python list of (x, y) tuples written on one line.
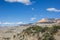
[(30, 32), (41, 33)]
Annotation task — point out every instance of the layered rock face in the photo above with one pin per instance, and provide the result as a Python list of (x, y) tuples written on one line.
[(53, 20), (48, 22)]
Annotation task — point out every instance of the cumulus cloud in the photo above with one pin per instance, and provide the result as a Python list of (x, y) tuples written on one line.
[(32, 9), (8, 23), (26, 2), (33, 19), (0, 22), (20, 23), (11, 23), (53, 10)]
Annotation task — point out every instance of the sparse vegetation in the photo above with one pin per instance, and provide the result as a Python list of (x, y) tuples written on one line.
[(46, 32)]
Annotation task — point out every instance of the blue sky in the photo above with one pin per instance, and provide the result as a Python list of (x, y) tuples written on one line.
[(28, 11)]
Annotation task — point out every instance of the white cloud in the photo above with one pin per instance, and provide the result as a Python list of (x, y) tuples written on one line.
[(0, 22), (26, 2), (33, 19), (7, 23), (11, 23), (20, 23), (32, 9), (53, 9)]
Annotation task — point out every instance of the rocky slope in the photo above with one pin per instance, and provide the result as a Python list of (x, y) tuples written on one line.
[(30, 32), (40, 33)]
